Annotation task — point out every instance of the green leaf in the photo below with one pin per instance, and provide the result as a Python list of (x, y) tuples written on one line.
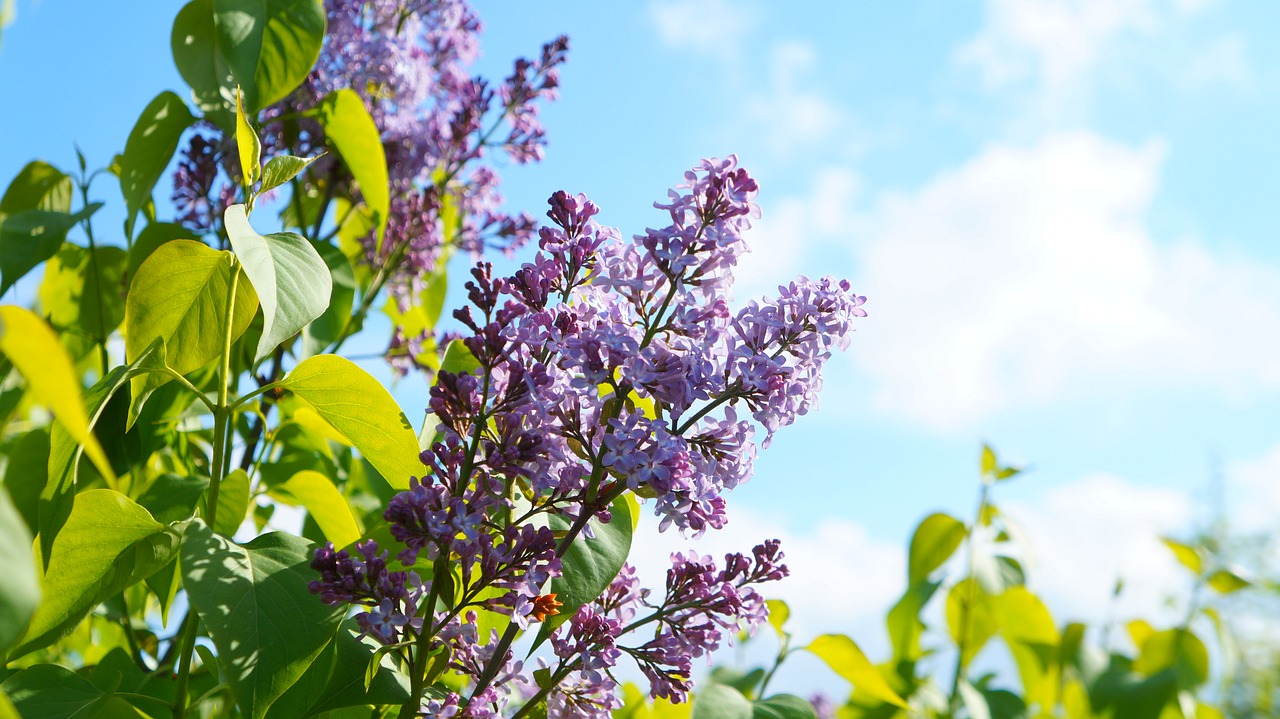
[(973, 701), (38, 186), (846, 659), (34, 350), (1032, 636), (248, 146), (989, 463), (149, 149), (327, 328), (1176, 649), (903, 620), (81, 295), (782, 706), (353, 134), (254, 601), (292, 282), (233, 502), (179, 297), (589, 565), (935, 540), (47, 691), (1225, 581), (971, 617), (718, 701), (1119, 692), (324, 502), (282, 168), (82, 565), (779, 613), (336, 680), (150, 239), (20, 591), (359, 407), (31, 237), (1188, 556), (173, 497), (266, 46), (458, 359)]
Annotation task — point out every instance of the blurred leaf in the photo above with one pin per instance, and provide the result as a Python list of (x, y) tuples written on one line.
[(971, 618), (34, 350), (292, 282), (328, 327), (1188, 556), (20, 591), (903, 620), (359, 407), (989, 463), (38, 186), (845, 658), (782, 706), (1139, 632), (82, 295), (1225, 581), (1176, 649), (254, 601), (717, 701), (1121, 693), (352, 132), (779, 612), (973, 701), (151, 144), (103, 526), (323, 501), (458, 359), (179, 296), (30, 237), (1032, 636), (935, 540)]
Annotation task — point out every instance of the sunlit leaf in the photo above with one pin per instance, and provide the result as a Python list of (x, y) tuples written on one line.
[(717, 701), (779, 613), (1177, 649), (292, 282), (358, 406), (1225, 581), (20, 590), (352, 132), (971, 618), (933, 543), (82, 295), (282, 168), (248, 147), (31, 237), (323, 501), (38, 186), (845, 658), (1188, 556)]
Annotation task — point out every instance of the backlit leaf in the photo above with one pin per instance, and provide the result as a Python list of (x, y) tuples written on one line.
[(845, 658), (324, 502), (31, 237), (352, 132), (151, 144), (935, 540)]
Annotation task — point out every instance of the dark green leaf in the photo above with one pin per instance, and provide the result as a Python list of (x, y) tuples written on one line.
[(352, 132), (589, 564), (173, 497), (254, 601), (935, 540), (31, 237), (150, 147), (336, 680), (47, 691), (1176, 649), (292, 282), (27, 473), (20, 590)]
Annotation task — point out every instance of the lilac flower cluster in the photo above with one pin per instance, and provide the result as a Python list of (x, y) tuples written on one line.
[(701, 607), (392, 597), (606, 366)]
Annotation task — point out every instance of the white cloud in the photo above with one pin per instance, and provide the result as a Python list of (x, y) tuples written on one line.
[(1089, 533), (790, 115), (1057, 46), (715, 27), (1028, 275), (1222, 63), (1254, 493)]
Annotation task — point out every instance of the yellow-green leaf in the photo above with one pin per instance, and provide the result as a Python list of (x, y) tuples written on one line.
[(247, 145), (351, 131), (1226, 581), (323, 501), (935, 540), (1187, 555), (779, 613), (846, 659), (33, 349), (359, 407)]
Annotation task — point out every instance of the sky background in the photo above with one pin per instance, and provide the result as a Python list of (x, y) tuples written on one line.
[(1063, 214)]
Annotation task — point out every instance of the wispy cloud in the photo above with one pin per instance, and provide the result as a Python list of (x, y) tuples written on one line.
[(715, 27)]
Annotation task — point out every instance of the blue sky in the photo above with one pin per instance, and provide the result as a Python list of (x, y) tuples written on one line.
[(1062, 212)]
